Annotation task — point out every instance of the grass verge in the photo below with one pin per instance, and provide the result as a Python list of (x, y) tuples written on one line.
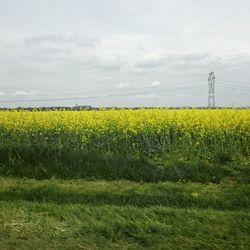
[(78, 214)]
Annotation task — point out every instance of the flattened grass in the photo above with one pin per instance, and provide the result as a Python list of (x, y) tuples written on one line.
[(121, 193), (77, 214)]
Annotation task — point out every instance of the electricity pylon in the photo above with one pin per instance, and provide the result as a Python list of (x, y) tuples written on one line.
[(211, 84)]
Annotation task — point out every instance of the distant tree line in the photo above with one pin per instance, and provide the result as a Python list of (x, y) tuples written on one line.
[(86, 107)]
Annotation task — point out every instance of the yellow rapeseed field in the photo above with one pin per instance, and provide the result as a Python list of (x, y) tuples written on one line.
[(152, 129), (131, 144)]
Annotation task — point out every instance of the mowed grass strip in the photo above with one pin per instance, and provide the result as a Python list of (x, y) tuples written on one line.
[(120, 193), (24, 225)]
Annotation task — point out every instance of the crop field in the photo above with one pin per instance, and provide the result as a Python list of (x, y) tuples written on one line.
[(125, 179)]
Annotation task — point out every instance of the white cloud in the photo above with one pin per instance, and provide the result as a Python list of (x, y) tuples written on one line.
[(107, 78), (59, 39), (155, 83), (2, 93), (20, 93), (151, 60), (102, 96), (146, 96), (25, 93), (155, 60), (123, 85), (109, 62)]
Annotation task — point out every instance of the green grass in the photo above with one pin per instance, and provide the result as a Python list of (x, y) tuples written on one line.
[(78, 214), (67, 163), (121, 193)]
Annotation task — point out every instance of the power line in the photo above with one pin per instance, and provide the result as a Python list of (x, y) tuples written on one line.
[(128, 89), (243, 83), (97, 96), (232, 87), (148, 90)]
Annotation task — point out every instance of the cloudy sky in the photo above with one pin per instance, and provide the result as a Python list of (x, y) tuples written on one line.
[(123, 52)]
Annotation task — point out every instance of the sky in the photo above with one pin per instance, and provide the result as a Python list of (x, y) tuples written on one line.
[(124, 53)]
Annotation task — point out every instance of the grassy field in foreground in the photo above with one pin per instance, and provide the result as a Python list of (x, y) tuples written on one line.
[(125, 179), (77, 214)]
